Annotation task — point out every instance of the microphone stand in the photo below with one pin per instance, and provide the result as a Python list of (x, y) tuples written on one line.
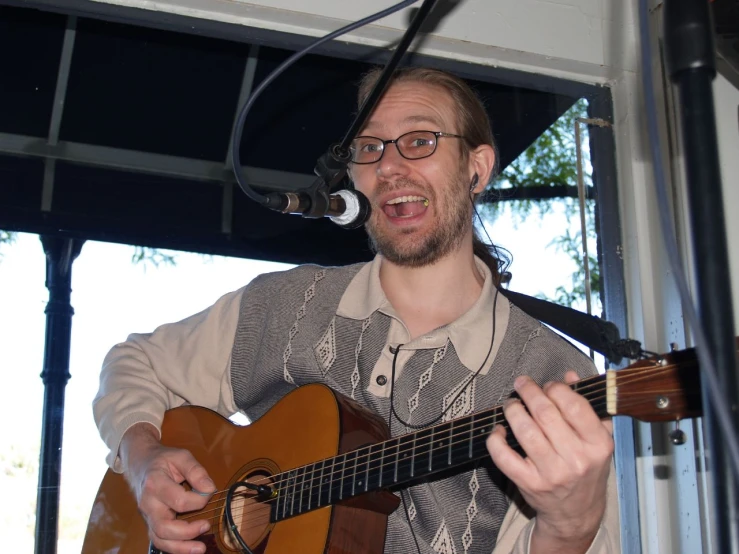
[(332, 165), (690, 57)]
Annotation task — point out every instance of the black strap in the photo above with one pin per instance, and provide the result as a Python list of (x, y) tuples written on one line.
[(594, 332)]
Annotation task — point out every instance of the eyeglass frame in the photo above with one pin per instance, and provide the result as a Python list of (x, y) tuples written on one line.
[(437, 134)]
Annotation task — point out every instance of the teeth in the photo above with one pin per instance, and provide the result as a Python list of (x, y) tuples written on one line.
[(402, 199)]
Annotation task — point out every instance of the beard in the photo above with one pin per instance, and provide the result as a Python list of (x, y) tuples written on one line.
[(419, 248)]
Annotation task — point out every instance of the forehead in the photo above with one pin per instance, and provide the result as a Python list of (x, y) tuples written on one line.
[(411, 105)]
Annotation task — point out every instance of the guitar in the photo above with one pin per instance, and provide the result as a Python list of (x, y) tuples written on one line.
[(320, 465)]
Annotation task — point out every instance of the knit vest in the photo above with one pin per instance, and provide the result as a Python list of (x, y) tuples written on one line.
[(289, 335)]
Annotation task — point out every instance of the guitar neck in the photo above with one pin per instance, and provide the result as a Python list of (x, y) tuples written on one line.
[(402, 459)]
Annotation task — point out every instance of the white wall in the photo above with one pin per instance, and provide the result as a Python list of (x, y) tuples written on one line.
[(726, 97), (586, 40)]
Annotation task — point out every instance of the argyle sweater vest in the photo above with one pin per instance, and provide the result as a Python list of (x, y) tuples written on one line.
[(289, 335)]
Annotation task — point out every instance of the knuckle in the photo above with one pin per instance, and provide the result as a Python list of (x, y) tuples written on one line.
[(546, 413), (149, 486), (156, 530), (179, 503), (526, 432)]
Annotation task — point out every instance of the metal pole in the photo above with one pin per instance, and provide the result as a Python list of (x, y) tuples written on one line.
[(690, 56), (60, 253)]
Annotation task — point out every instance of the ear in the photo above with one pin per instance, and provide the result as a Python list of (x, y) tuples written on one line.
[(482, 161)]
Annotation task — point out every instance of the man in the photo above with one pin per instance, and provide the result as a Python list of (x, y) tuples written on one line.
[(419, 335)]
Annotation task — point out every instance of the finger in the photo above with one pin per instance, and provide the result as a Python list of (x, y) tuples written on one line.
[(507, 460), (571, 377), (175, 497), (177, 547), (577, 413), (177, 529), (529, 435), (547, 431), (161, 518), (195, 474)]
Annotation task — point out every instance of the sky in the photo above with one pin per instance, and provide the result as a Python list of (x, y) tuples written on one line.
[(112, 297)]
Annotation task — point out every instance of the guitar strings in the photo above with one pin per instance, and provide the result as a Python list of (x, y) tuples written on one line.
[(594, 384), (596, 381)]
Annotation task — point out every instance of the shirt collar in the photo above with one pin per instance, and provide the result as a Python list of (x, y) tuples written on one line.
[(470, 334)]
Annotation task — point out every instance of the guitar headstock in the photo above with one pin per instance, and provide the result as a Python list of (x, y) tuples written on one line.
[(661, 388)]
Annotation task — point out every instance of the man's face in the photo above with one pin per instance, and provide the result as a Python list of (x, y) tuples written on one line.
[(420, 208)]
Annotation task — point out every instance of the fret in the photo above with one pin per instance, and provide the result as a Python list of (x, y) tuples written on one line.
[(406, 446), (354, 459), (329, 479), (294, 477), (277, 512), (341, 483), (413, 456), (422, 451), (302, 487), (367, 469), (439, 447), (320, 482), (397, 459), (451, 442), (382, 465), (431, 450), (472, 434), (312, 489)]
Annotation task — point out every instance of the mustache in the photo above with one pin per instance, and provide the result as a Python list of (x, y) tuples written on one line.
[(385, 187)]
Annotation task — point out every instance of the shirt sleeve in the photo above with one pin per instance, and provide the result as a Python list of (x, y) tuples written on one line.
[(514, 536), (187, 362)]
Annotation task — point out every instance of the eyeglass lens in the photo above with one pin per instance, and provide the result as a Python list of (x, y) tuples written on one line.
[(413, 145)]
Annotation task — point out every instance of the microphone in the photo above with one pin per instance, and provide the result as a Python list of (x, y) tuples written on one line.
[(347, 208)]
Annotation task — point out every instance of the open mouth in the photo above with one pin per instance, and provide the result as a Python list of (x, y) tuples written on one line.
[(406, 206)]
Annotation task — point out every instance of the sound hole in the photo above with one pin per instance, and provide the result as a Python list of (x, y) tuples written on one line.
[(250, 511)]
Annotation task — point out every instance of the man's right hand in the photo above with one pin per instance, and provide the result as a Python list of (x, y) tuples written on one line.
[(155, 473)]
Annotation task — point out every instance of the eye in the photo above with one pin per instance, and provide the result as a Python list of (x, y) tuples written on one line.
[(371, 147), (419, 141)]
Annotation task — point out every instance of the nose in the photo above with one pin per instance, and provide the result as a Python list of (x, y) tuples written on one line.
[(392, 163)]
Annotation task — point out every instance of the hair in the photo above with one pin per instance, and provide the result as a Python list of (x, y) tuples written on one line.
[(473, 124)]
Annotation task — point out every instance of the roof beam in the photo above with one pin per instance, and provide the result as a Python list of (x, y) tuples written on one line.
[(148, 162)]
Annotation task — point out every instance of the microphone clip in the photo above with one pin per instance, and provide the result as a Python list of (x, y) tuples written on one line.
[(331, 170)]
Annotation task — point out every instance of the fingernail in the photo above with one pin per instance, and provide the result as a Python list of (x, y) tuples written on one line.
[(204, 528), (520, 382), (197, 550)]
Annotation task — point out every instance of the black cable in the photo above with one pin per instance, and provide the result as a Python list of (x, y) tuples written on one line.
[(262, 490), (463, 389), (703, 351), (239, 125)]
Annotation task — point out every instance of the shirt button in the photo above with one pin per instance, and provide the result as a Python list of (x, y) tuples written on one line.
[(381, 380)]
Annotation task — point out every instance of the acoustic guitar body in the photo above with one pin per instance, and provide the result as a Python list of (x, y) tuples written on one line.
[(311, 423)]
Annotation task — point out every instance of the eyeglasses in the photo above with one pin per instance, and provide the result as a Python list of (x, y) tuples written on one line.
[(412, 146)]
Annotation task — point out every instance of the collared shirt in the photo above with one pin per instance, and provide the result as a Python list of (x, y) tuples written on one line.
[(470, 334)]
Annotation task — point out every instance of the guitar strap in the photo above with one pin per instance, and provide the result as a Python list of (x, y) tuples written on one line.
[(596, 333)]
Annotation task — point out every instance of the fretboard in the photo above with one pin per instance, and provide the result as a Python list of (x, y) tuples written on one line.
[(401, 459)]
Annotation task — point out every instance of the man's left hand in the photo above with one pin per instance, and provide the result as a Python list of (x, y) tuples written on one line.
[(565, 473)]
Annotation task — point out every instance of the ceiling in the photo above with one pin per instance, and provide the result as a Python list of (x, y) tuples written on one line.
[(117, 131)]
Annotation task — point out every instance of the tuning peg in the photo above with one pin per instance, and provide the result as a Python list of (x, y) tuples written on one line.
[(677, 436)]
